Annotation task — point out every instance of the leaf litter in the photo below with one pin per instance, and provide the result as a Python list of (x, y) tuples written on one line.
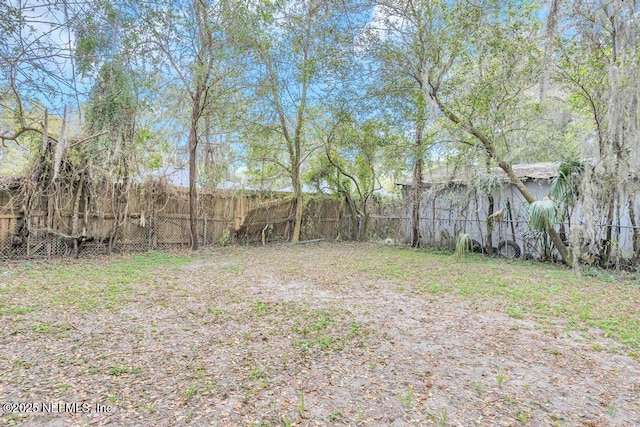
[(301, 335)]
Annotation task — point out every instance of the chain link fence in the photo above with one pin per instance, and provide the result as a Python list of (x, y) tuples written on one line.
[(516, 238), (161, 232)]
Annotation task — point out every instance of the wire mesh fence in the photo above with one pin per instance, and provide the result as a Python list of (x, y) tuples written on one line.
[(162, 232), (274, 223), (516, 238), (28, 238)]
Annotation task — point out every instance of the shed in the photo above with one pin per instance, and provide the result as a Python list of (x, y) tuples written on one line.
[(456, 201)]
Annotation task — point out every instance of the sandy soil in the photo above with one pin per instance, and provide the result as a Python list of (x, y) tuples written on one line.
[(303, 335)]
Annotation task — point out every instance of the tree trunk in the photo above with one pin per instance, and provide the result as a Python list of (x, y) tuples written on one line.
[(489, 242), (417, 179), (193, 195), (365, 221), (490, 220), (632, 218), (354, 214), (564, 251), (297, 225), (417, 195), (75, 215)]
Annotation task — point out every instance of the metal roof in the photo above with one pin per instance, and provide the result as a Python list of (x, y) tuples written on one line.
[(526, 172)]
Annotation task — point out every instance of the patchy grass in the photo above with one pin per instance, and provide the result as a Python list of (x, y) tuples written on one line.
[(604, 300), (347, 334), (91, 284)]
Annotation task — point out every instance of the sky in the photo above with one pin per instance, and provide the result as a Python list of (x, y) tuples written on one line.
[(37, 55)]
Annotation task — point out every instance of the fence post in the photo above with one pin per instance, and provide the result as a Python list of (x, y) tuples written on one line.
[(29, 237), (204, 238)]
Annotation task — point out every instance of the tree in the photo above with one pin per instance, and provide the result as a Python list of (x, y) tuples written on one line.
[(111, 114), (354, 159), (292, 46), (399, 56), (599, 67), (478, 65), (37, 66), (190, 43)]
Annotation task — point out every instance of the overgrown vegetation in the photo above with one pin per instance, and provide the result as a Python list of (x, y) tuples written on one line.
[(348, 97)]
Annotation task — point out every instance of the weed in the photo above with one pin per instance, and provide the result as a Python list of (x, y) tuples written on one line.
[(257, 374), (356, 329), (116, 371), (464, 245), (44, 328), (515, 312), (443, 417), (302, 408), (406, 399), (335, 416), (508, 399), (192, 391), (555, 351), (225, 238), (500, 378), (261, 308), (18, 310), (523, 417), (322, 322), (148, 408), (479, 390), (215, 311)]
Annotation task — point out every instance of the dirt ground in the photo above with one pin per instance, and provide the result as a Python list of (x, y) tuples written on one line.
[(306, 335)]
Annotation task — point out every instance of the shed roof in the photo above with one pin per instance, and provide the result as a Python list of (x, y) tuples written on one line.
[(526, 172)]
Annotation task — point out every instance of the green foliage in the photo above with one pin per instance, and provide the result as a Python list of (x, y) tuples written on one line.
[(543, 214), (565, 186), (96, 36), (353, 153), (488, 183), (225, 238), (112, 106), (464, 245)]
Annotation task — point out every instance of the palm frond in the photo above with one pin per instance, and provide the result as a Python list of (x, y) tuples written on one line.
[(543, 213), (464, 245), (565, 186)]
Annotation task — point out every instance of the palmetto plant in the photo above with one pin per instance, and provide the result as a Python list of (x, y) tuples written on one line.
[(464, 245), (553, 210), (565, 187), (543, 214)]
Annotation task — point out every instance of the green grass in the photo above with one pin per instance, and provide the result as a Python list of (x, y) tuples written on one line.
[(606, 300), (90, 285), (16, 310), (117, 371)]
